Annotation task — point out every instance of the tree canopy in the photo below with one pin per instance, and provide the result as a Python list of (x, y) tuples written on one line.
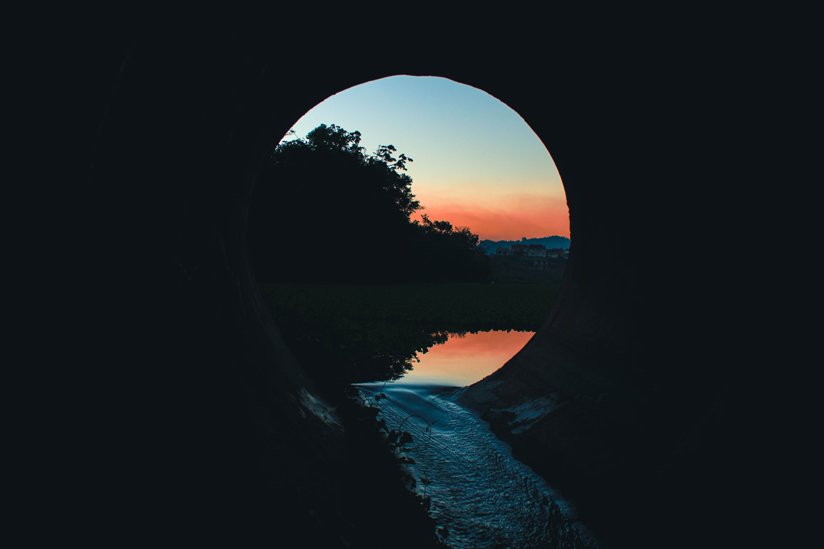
[(325, 210)]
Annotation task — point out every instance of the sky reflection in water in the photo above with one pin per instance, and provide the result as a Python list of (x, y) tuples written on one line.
[(463, 360)]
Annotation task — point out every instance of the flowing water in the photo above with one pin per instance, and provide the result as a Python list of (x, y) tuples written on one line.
[(479, 493)]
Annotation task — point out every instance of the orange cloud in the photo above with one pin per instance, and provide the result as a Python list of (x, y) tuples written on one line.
[(507, 217)]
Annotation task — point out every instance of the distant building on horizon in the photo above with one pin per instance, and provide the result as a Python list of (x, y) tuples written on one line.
[(536, 254), (536, 250)]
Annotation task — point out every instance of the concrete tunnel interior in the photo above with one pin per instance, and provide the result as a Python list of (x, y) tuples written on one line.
[(179, 146)]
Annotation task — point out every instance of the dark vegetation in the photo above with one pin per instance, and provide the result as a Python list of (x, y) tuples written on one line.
[(324, 210), (508, 269), (382, 508), (347, 333)]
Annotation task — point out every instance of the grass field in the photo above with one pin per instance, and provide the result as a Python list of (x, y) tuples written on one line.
[(450, 307)]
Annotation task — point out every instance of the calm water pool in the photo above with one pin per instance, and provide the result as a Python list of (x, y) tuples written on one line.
[(465, 359)]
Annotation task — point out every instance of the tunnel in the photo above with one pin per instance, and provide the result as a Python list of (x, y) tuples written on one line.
[(225, 428)]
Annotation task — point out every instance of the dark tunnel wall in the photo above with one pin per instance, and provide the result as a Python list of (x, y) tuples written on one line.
[(223, 421)]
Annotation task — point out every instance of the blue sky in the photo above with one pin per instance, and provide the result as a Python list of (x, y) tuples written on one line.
[(476, 162)]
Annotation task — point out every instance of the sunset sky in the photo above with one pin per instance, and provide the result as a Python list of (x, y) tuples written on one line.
[(476, 162)]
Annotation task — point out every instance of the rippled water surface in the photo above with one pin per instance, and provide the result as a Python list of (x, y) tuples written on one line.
[(479, 492)]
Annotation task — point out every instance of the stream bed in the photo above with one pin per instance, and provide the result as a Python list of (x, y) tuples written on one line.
[(480, 495)]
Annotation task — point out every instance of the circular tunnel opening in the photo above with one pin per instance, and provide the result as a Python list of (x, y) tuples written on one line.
[(409, 205)]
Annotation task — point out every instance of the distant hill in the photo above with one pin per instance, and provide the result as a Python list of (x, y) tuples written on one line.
[(489, 246)]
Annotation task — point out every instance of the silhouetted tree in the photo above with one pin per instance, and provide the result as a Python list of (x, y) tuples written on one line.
[(447, 253), (325, 210)]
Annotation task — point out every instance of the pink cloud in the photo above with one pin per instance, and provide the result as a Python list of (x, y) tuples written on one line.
[(506, 217)]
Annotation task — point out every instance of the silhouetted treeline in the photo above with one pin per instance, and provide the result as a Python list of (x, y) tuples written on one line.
[(324, 210)]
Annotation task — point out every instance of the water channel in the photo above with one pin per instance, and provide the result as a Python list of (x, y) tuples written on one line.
[(480, 494)]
